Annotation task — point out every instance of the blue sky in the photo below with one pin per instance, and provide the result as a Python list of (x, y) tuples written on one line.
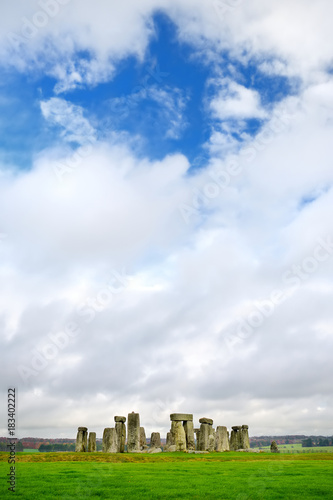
[(165, 199), (128, 101)]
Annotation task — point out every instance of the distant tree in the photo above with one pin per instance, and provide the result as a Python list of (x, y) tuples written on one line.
[(307, 443)]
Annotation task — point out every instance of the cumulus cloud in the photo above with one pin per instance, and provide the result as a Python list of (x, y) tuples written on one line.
[(75, 127), (125, 279), (234, 101)]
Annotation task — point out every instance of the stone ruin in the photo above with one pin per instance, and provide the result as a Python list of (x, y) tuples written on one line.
[(274, 447), (81, 439), (180, 437), (239, 439)]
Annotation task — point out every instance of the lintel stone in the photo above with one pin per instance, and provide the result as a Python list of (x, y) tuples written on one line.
[(120, 419), (205, 420), (183, 417)]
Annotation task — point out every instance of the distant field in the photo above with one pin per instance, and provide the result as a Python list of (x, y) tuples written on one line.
[(297, 448), (178, 476), (30, 450)]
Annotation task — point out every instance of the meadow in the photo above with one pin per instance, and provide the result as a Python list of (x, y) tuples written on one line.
[(230, 475), (298, 448)]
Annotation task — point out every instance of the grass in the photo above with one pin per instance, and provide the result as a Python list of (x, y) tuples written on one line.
[(239, 476), (298, 448)]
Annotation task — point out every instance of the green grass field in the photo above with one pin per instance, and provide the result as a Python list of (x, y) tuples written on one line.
[(239, 476), (297, 448)]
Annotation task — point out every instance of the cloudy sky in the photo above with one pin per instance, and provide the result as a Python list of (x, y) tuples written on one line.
[(166, 239)]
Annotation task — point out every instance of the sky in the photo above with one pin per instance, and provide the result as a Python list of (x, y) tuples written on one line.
[(166, 240)]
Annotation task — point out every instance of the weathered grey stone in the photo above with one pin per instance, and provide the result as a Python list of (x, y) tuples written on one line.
[(211, 439), (155, 440), (204, 437), (169, 441), (183, 417), (205, 420), (143, 440), (81, 440), (109, 440), (172, 448), (133, 432), (120, 429), (155, 450), (274, 447), (178, 435), (222, 439), (120, 419), (236, 438), (92, 442), (245, 441), (189, 433)]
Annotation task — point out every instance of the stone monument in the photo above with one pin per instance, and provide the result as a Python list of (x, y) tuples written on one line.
[(81, 439), (133, 432)]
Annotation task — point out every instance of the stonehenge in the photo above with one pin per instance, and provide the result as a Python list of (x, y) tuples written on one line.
[(222, 439), (133, 432), (120, 429), (182, 431), (239, 439), (92, 442), (155, 440), (206, 435), (81, 439), (109, 440), (180, 438), (274, 447), (143, 440)]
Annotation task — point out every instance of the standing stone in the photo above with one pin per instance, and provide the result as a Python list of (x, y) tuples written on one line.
[(155, 440), (120, 428), (189, 433), (169, 441), (133, 432), (81, 439), (211, 439), (109, 440), (178, 435), (222, 439), (235, 438), (245, 441), (92, 442), (143, 440), (206, 435), (274, 447)]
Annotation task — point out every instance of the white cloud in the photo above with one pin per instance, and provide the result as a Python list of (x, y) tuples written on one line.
[(75, 127), (234, 101), (115, 211), (189, 283)]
